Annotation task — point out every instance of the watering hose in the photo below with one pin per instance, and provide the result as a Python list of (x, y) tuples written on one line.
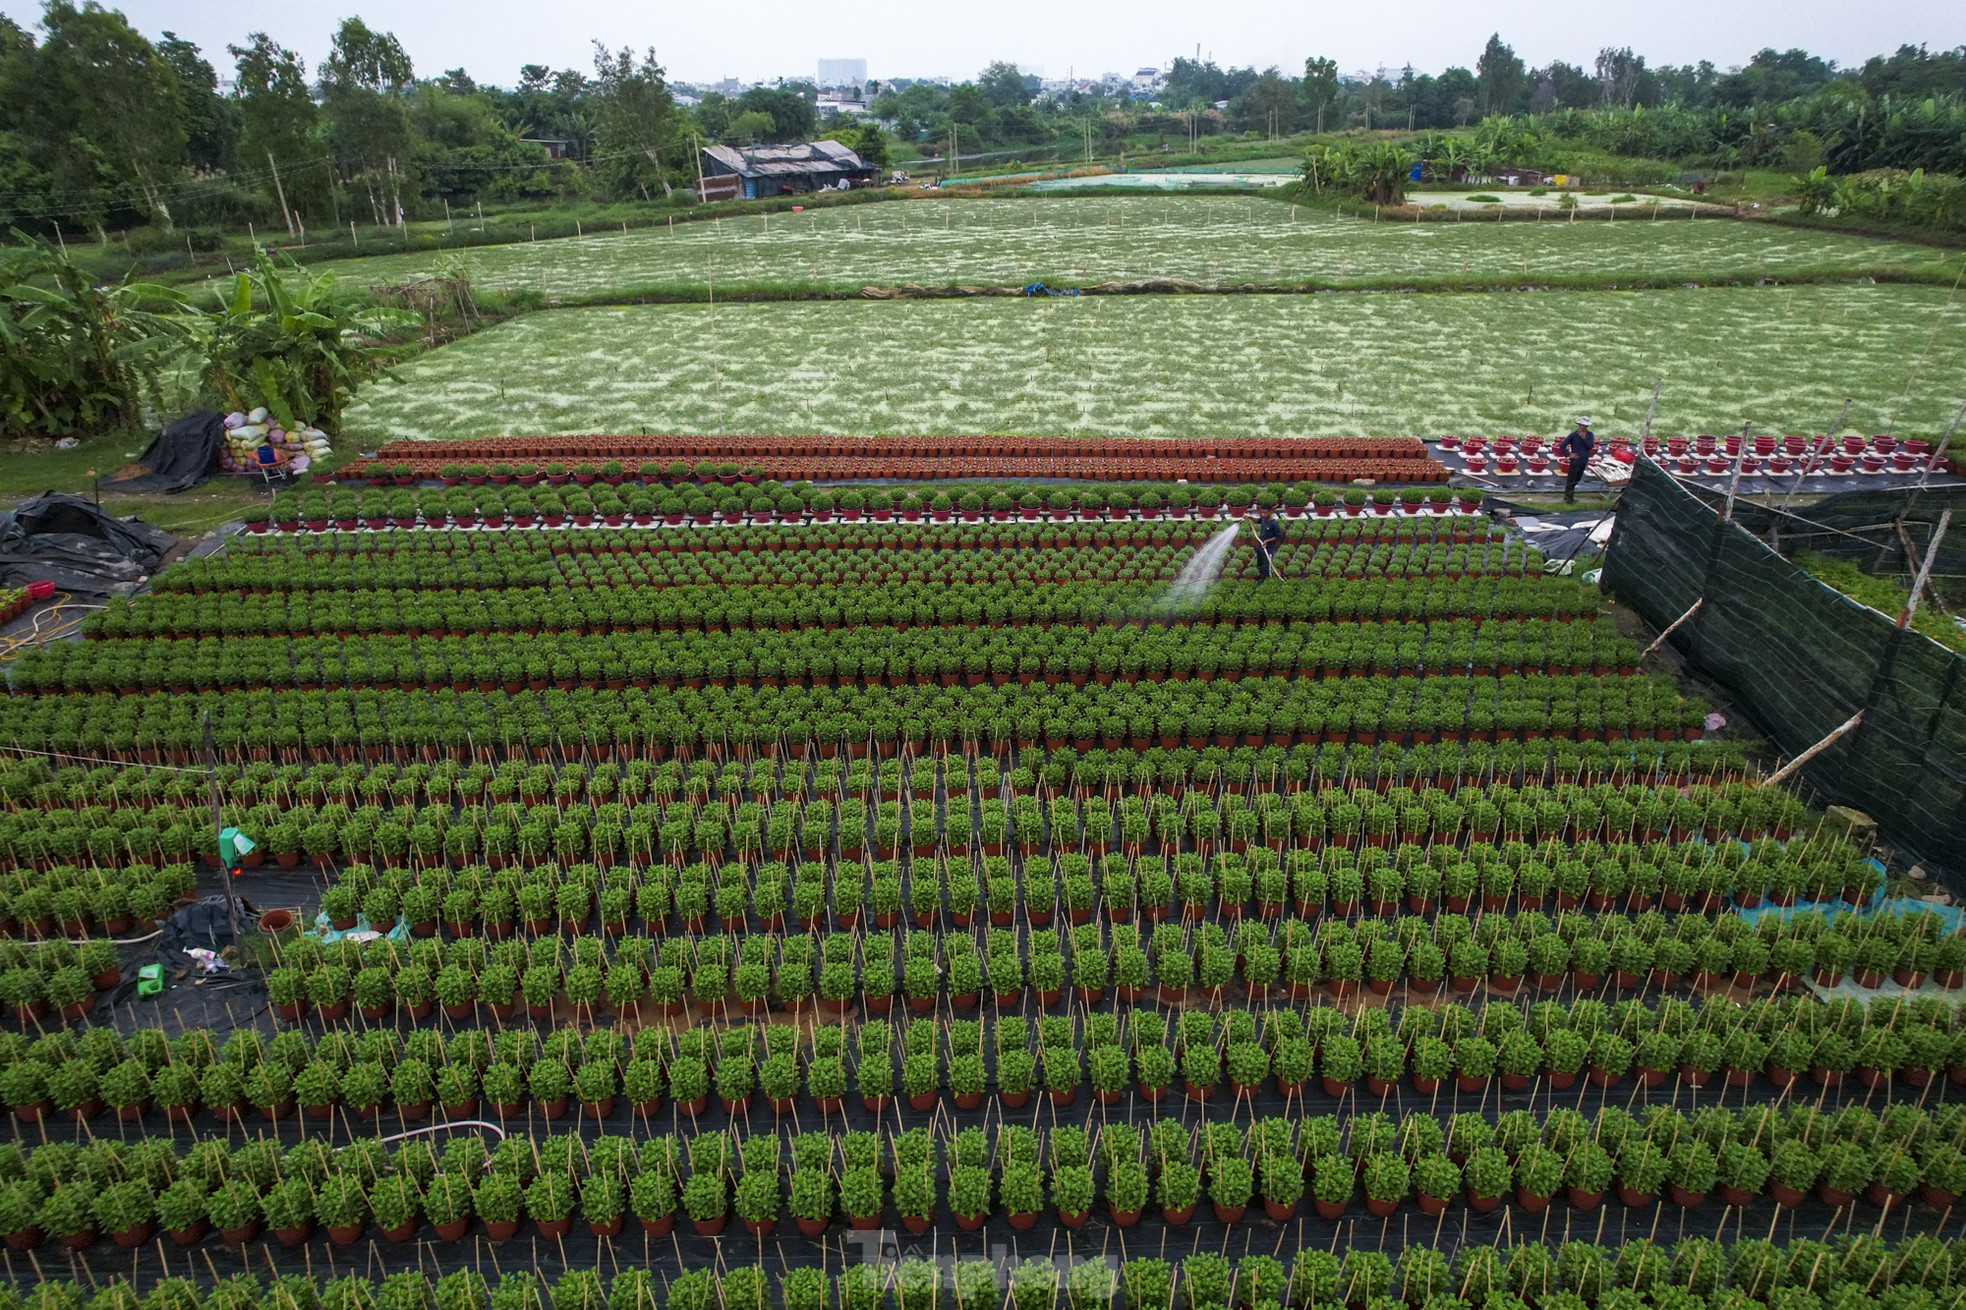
[(36, 635)]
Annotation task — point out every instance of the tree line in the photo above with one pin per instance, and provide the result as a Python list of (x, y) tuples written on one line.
[(104, 128)]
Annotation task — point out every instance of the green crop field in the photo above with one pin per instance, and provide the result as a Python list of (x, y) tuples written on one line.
[(1208, 239), (1783, 359)]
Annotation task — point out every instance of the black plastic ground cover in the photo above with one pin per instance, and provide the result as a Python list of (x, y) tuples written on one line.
[(1802, 658), (70, 541)]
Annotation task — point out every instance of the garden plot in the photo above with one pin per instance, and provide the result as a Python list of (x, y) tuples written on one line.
[(1276, 366), (1094, 239), (1517, 198)]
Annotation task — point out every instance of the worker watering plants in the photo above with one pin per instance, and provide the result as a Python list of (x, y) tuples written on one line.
[(1575, 450), (1269, 540)]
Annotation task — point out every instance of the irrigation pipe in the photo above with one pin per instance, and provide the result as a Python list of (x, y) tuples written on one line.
[(99, 759), (115, 941), (445, 1126)]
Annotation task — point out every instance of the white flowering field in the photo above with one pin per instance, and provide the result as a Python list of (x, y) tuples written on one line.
[(1783, 358), (1209, 239)]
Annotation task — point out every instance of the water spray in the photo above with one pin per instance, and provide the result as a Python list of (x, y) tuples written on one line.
[(1200, 574)]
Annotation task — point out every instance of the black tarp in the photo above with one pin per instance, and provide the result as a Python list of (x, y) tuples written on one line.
[(1802, 658), (179, 457), (71, 542)]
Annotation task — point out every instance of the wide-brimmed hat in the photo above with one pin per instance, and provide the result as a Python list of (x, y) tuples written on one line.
[(1584, 422)]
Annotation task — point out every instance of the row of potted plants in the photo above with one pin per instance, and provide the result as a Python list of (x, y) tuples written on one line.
[(1429, 773), (1015, 1172), (890, 867), (861, 655), (753, 971), (463, 560), (930, 1064), (702, 456), (800, 503), (1308, 467), (56, 979), (1567, 1275), (69, 900), (793, 559), (1441, 845), (713, 608), (299, 724)]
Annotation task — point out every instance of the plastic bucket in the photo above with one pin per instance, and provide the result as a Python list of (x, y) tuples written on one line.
[(41, 590)]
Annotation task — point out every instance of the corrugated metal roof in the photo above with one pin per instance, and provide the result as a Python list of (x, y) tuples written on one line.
[(799, 158)]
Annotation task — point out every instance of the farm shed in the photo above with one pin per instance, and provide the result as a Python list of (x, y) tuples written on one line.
[(754, 172)]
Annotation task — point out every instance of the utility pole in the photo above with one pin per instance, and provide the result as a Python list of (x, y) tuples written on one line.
[(218, 832), (281, 192)]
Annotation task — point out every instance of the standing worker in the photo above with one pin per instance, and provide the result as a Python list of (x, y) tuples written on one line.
[(1269, 540), (1576, 448)]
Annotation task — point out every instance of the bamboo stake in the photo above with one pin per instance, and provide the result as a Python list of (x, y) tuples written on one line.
[(1924, 570), (1672, 627), (1846, 726)]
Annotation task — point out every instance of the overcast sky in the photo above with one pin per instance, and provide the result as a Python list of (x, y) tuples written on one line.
[(772, 38)]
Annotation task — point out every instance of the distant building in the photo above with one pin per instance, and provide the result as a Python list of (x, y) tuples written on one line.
[(555, 149), (757, 172), (842, 72), (842, 102)]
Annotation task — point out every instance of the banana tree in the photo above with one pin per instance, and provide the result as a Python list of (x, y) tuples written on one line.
[(284, 339), (76, 357)]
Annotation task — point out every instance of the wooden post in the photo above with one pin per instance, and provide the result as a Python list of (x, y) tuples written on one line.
[(1835, 735), (1824, 444), (280, 192), (1734, 483), (1924, 569), (1645, 430), (1672, 628), (218, 827)]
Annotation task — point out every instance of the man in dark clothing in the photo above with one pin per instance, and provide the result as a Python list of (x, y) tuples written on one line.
[(1269, 539), (1576, 450)]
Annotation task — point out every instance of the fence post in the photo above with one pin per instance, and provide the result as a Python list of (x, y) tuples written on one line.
[(1734, 483), (1924, 569)]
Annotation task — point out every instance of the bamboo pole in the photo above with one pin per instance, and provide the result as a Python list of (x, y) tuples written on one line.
[(1673, 627), (1924, 570), (1835, 735)]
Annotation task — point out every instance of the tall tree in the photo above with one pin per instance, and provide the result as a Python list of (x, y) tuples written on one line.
[(1619, 75), (1499, 77), (211, 127), (1003, 86), (793, 117), (362, 84), (1320, 89), (635, 123), (1269, 106), (116, 95), (277, 120)]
